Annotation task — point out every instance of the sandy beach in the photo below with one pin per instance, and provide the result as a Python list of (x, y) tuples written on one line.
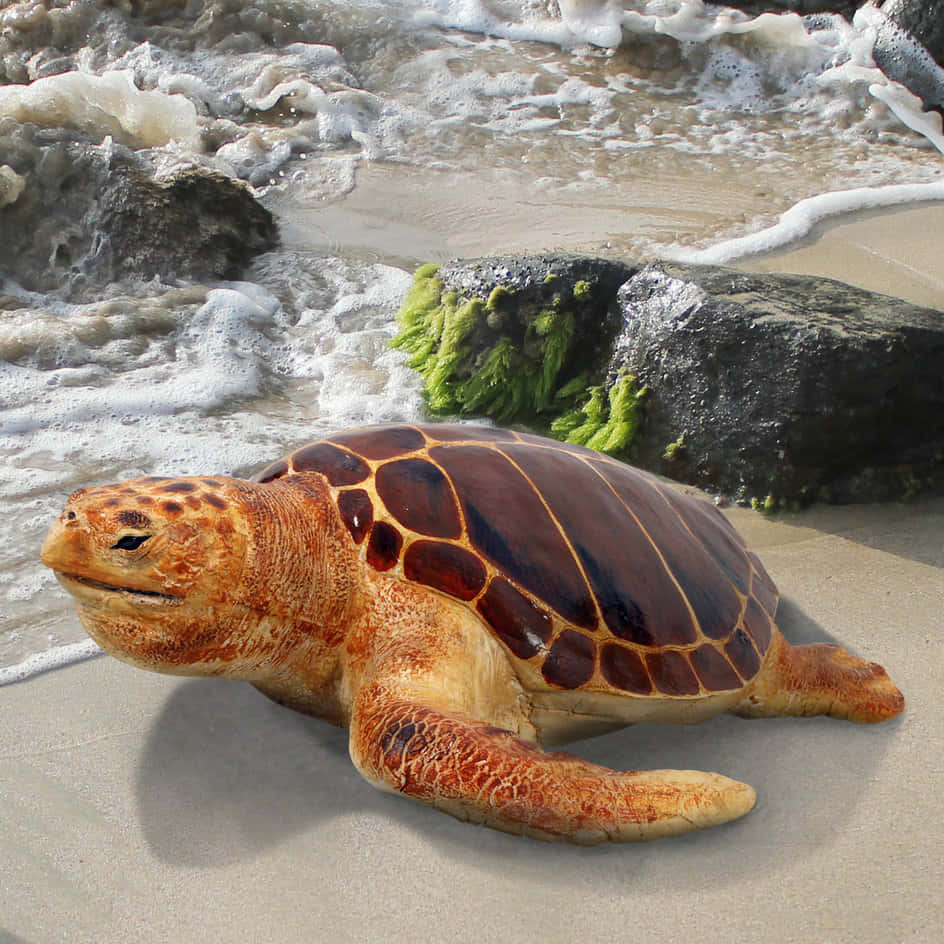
[(142, 808)]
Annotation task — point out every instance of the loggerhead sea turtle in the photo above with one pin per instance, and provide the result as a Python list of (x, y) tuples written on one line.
[(456, 596)]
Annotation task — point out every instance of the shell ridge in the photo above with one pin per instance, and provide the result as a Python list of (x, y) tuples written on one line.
[(700, 636), (753, 576), (564, 536), (662, 491)]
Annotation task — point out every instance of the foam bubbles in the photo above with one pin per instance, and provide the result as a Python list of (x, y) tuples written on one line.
[(104, 105), (196, 381), (800, 220), (50, 659)]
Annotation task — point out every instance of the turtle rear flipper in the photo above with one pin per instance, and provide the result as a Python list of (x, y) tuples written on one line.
[(481, 773), (820, 679)]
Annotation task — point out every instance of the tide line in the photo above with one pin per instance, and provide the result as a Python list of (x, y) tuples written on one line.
[(797, 222), (49, 660)]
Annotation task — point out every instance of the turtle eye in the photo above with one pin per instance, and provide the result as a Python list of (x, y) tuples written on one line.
[(130, 542)]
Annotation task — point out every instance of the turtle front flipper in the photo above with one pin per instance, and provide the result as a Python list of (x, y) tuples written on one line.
[(485, 774)]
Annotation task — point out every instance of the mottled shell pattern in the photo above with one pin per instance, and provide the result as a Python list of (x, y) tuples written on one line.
[(597, 575)]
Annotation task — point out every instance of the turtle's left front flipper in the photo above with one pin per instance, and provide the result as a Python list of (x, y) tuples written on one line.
[(480, 773)]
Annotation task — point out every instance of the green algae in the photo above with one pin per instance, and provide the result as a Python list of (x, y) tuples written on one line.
[(607, 421), (674, 450), (509, 360)]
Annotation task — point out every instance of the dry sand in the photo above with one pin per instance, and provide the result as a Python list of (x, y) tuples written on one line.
[(136, 807)]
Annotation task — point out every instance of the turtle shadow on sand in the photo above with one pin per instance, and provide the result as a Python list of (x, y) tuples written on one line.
[(226, 774)]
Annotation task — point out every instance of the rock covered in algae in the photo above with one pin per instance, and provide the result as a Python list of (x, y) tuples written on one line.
[(526, 340), (784, 388)]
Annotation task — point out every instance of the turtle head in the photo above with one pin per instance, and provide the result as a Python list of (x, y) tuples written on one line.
[(207, 576), (152, 565)]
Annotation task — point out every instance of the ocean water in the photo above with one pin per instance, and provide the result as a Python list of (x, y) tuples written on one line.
[(485, 117)]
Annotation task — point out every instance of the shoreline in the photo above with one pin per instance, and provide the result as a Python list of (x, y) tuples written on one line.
[(406, 216)]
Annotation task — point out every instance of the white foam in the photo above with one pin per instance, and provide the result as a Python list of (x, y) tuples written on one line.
[(11, 185), (192, 382), (801, 218), (48, 660), (103, 105)]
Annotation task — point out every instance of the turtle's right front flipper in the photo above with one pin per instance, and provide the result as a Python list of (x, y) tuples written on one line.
[(485, 774)]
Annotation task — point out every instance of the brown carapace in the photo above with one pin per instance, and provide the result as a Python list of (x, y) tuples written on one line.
[(457, 596), (599, 575)]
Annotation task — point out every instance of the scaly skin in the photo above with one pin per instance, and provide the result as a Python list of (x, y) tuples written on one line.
[(261, 582)]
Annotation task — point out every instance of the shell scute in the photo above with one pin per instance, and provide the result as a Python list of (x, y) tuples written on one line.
[(383, 548), (508, 524), (741, 654), (458, 432), (381, 443), (671, 672), (522, 625), (763, 587), (446, 567), (713, 670), (624, 669), (758, 625), (338, 466), (571, 661), (418, 494), (357, 512)]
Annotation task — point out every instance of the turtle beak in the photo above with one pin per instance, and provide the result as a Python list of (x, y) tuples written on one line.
[(66, 545)]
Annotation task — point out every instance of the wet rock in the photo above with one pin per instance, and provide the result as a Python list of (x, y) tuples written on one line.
[(80, 215), (534, 282), (909, 47), (511, 338), (784, 388), (193, 225), (845, 8), (923, 19)]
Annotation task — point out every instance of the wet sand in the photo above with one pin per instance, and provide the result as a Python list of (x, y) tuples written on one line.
[(405, 216), (137, 807)]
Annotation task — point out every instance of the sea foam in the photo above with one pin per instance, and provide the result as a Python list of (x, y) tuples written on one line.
[(800, 220), (104, 105), (55, 658)]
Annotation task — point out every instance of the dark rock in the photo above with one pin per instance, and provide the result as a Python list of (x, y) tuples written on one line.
[(789, 386), (923, 19), (845, 8), (194, 225), (75, 216), (909, 48), (536, 281)]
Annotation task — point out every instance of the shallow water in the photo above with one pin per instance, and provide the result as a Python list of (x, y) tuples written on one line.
[(381, 135)]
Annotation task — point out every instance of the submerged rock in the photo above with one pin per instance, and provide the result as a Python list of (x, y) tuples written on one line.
[(76, 216), (784, 388)]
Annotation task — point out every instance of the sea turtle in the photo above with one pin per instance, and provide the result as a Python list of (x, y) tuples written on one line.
[(457, 596)]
